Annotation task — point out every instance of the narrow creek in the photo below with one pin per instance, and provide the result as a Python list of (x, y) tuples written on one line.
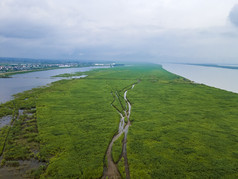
[(111, 169)]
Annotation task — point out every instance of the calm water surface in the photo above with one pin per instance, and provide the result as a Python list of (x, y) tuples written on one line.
[(22, 82), (217, 77)]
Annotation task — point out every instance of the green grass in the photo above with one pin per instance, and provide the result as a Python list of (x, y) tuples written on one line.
[(117, 148), (6, 109), (182, 130), (3, 135), (179, 129), (22, 139), (76, 123), (70, 74), (121, 167)]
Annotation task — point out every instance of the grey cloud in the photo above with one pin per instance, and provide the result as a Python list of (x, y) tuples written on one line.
[(23, 30), (233, 16), (125, 30)]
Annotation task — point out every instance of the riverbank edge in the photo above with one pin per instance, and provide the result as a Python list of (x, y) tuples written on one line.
[(10, 74), (195, 82)]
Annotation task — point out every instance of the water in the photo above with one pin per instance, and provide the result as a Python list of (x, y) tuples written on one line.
[(222, 78), (22, 82), (6, 120)]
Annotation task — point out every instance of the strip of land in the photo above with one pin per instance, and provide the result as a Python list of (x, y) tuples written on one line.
[(179, 129), (234, 67)]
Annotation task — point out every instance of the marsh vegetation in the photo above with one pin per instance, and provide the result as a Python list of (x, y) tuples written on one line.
[(179, 129)]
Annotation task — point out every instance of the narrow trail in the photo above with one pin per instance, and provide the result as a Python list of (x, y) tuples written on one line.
[(111, 171)]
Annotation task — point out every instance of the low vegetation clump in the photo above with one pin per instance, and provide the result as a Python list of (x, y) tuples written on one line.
[(70, 74), (19, 140), (3, 134), (117, 148), (121, 168), (22, 139)]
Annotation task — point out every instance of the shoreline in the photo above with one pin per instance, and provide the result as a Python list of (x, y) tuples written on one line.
[(9, 74), (13, 84)]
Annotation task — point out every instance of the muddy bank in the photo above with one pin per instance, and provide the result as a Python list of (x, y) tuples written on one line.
[(19, 169)]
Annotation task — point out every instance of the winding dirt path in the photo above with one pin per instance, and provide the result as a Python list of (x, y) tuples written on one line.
[(111, 171)]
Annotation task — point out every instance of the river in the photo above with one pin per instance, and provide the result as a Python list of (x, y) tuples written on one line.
[(26, 81), (222, 78)]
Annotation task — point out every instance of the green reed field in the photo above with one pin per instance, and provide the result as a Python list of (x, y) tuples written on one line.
[(179, 129)]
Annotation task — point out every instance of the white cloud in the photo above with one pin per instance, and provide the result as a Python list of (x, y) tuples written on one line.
[(123, 28), (233, 16)]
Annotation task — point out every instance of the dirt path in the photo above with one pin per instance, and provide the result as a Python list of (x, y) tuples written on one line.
[(111, 171)]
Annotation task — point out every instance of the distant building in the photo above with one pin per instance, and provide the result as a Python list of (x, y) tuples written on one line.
[(64, 66), (97, 64)]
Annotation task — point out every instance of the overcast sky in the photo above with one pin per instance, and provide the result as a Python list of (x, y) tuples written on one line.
[(138, 30)]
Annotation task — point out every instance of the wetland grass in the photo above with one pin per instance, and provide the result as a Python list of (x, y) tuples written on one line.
[(179, 129)]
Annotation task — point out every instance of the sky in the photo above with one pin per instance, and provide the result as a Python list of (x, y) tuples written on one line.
[(195, 31)]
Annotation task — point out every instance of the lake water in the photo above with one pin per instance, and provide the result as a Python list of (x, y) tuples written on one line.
[(26, 81), (217, 77)]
